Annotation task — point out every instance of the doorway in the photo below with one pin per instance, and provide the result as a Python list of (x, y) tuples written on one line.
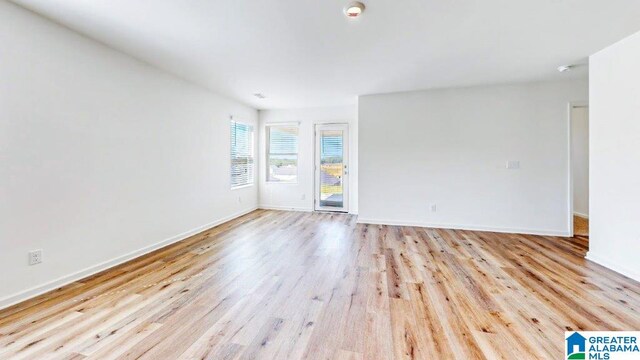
[(580, 168), (332, 167)]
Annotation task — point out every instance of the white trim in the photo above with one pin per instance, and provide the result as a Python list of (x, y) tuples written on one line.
[(569, 170), (282, 123), (613, 265), (285, 208), (242, 186), (584, 216), (67, 279), (541, 232)]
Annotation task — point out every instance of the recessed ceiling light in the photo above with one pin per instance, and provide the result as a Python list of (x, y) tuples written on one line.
[(354, 9), (259, 95), (564, 68)]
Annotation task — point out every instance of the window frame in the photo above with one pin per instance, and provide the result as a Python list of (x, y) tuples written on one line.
[(268, 151), (250, 180)]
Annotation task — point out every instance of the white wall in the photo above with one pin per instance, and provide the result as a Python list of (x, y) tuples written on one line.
[(101, 156), (615, 157), (450, 148), (290, 196), (580, 159)]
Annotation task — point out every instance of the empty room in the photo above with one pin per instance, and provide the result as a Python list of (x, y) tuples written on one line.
[(334, 179)]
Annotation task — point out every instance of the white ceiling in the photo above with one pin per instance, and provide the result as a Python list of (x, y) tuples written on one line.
[(303, 53)]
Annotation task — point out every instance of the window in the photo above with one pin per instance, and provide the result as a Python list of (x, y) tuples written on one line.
[(241, 154), (282, 153)]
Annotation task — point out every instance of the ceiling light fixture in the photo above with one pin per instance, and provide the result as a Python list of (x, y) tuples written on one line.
[(354, 9), (565, 68), (259, 95)]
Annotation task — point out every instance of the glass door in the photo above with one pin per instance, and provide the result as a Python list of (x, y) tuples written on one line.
[(332, 170)]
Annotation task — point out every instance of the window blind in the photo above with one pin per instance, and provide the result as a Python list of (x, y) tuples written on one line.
[(242, 163), (282, 153)]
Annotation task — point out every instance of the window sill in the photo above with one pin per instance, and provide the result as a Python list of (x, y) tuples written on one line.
[(241, 187), (281, 182)]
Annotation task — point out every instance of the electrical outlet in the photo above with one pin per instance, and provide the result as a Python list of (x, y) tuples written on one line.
[(434, 208), (240, 199), (35, 257), (513, 165), (303, 197)]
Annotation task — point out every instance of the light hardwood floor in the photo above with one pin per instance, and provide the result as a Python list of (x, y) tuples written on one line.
[(290, 285), (580, 226)]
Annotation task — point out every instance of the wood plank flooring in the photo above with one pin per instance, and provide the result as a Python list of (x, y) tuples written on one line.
[(580, 226), (292, 285)]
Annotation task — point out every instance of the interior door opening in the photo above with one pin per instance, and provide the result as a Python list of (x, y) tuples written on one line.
[(332, 168), (580, 169)]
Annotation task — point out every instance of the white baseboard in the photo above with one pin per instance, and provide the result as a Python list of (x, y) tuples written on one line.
[(285, 208), (613, 265), (584, 216), (466, 227), (67, 279)]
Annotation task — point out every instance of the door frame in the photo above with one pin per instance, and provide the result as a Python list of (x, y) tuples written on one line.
[(572, 105), (316, 167)]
